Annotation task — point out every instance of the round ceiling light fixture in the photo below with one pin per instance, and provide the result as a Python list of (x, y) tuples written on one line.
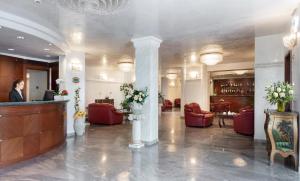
[(126, 64), (171, 76), (211, 54), (99, 7)]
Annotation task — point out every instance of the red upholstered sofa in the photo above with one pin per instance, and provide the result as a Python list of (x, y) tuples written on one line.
[(103, 113), (177, 102), (167, 105), (195, 117), (243, 122)]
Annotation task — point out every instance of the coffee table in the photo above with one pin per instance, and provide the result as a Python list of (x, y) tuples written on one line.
[(223, 116)]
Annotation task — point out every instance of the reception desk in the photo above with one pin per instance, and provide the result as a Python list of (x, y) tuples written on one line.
[(28, 129)]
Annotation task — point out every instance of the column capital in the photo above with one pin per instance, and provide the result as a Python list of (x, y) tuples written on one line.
[(142, 41)]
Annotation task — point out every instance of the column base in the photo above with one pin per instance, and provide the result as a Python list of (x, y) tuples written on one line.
[(150, 143), (136, 145)]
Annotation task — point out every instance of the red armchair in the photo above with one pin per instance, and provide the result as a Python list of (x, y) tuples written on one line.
[(195, 117), (177, 102), (102, 113), (167, 105), (243, 122)]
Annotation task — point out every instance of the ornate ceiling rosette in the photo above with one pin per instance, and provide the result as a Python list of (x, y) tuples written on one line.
[(98, 7)]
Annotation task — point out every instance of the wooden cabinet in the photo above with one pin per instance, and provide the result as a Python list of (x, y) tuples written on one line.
[(281, 130), (107, 101), (29, 130)]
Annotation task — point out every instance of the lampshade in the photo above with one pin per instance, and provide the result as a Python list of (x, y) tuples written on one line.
[(125, 64), (211, 58), (171, 76)]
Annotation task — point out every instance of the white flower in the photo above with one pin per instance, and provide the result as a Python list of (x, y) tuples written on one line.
[(128, 96), (275, 94), (282, 94), (291, 92), (140, 99), (136, 97), (272, 88), (278, 89)]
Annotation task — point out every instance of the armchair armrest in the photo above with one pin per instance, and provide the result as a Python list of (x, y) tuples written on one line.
[(197, 115)]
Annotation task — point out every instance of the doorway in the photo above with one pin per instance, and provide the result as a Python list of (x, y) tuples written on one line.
[(37, 84)]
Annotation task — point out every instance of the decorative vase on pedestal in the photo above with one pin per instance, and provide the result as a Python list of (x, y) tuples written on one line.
[(79, 126), (281, 106), (136, 118)]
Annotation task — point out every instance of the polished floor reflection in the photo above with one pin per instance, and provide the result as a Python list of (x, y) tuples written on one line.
[(184, 154)]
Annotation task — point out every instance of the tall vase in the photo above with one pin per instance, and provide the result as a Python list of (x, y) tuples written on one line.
[(136, 118), (79, 126), (281, 106)]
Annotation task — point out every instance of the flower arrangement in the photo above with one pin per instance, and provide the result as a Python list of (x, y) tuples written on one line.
[(133, 95), (280, 93), (64, 93), (78, 113)]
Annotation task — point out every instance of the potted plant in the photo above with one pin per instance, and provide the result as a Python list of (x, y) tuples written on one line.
[(79, 115), (280, 93), (63, 95), (135, 99), (125, 104)]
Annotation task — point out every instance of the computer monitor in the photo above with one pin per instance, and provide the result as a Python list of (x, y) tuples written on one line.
[(49, 95)]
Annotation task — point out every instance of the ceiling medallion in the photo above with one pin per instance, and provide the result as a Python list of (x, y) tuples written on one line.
[(98, 7)]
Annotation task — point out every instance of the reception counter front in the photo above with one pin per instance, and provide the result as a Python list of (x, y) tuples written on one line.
[(28, 129)]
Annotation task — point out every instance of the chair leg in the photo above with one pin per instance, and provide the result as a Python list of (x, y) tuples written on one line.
[(271, 161)]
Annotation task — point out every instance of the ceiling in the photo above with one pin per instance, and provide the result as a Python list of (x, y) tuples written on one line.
[(26, 45), (184, 26)]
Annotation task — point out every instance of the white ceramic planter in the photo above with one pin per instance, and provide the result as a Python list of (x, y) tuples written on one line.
[(79, 126)]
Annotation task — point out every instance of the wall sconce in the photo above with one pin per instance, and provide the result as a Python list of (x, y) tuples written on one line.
[(172, 83), (290, 40), (194, 74), (76, 65)]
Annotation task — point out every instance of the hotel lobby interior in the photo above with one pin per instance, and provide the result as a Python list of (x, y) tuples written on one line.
[(149, 90)]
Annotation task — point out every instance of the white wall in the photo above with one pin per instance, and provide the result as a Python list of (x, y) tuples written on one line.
[(170, 92), (98, 88), (269, 68), (66, 73)]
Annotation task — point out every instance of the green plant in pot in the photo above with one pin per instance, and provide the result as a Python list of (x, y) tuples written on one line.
[(280, 93)]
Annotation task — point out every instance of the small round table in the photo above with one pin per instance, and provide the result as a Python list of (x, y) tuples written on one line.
[(223, 116)]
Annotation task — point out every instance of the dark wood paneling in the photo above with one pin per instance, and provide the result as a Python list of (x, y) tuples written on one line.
[(236, 102), (237, 86), (12, 68), (27, 131)]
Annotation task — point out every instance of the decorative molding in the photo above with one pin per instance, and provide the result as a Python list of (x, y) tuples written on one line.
[(146, 40), (27, 26), (267, 65), (104, 81), (28, 58)]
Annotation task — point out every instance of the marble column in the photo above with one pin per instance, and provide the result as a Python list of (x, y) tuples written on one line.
[(146, 72), (182, 98), (72, 64)]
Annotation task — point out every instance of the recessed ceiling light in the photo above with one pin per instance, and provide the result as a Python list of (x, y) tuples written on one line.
[(38, 1), (20, 37), (0, 27), (50, 44), (46, 49), (47, 56), (11, 49), (77, 37)]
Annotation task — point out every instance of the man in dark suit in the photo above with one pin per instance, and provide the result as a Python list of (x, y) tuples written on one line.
[(15, 95)]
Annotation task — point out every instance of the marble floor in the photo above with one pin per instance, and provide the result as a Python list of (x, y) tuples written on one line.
[(184, 154)]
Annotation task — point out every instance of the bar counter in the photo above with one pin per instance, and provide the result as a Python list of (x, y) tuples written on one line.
[(236, 101), (28, 129)]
